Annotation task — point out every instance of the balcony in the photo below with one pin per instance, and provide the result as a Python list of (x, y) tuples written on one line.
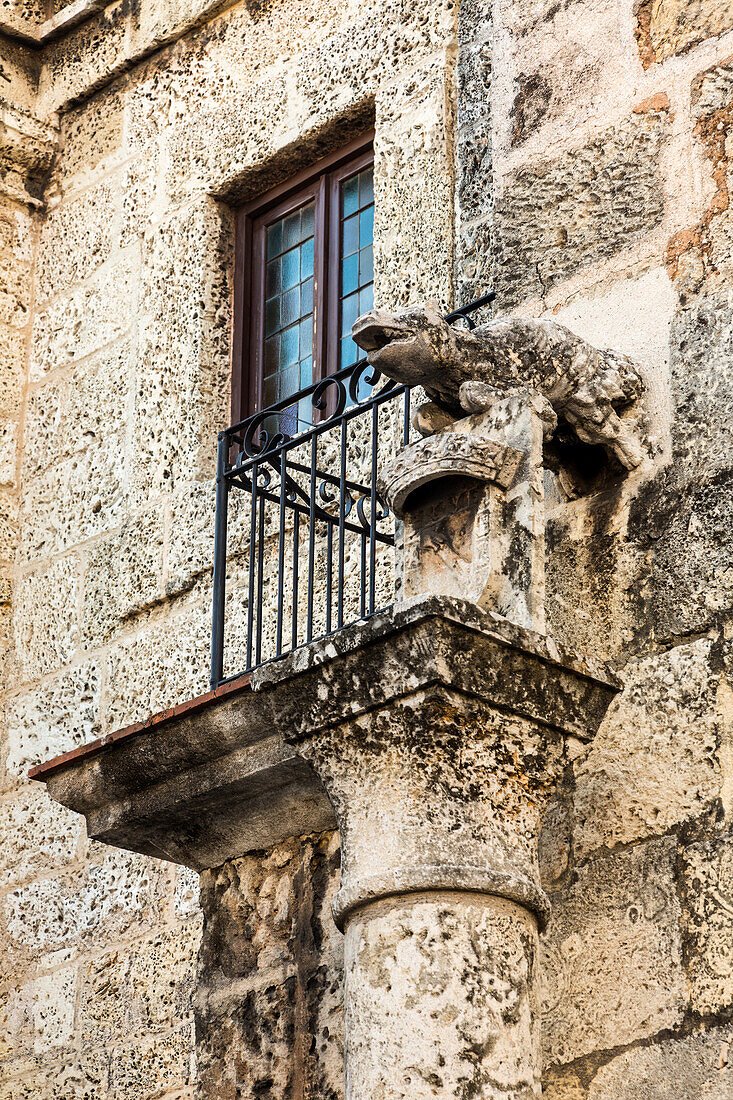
[(304, 542)]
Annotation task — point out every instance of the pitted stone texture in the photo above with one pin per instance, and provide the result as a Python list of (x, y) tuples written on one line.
[(91, 133), (59, 715), (413, 173), (151, 1067), (117, 894), (441, 999), (75, 239), (183, 365), (171, 665), (270, 1009), (584, 385), (123, 577), (653, 763), (668, 27), (556, 217), (12, 372), (46, 621), (64, 417), (70, 503), (139, 989), (44, 836), (91, 316), (692, 1067), (616, 929), (707, 899)]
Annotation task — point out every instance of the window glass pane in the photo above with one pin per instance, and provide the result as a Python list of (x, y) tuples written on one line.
[(356, 292), (288, 366)]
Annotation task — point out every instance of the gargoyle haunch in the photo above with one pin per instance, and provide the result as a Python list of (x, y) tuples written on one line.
[(460, 370)]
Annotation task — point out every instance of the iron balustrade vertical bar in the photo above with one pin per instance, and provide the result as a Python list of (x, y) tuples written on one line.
[(260, 571), (296, 548), (281, 558), (311, 539), (363, 564), (342, 529), (220, 562), (406, 422), (252, 563), (373, 512), (329, 575)]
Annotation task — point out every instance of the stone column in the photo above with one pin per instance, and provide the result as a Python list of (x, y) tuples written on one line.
[(439, 787)]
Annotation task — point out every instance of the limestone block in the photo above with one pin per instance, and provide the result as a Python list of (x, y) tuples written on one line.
[(45, 621), (48, 720), (67, 416), (149, 1068), (87, 319), (191, 537), (171, 663), (53, 1002), (707, 893), (413, 172), (85, 1078), (123, 577), (615, 930), (44, 836), (555, 217), (12, 367), (702, 385), (694, 1067), (142, 989), (9, 431), (139, 185), (182, 383), (16, 287), (185, 893), (29, 1085), (118, 893), (85, 56), (560, 1085), (91, 134), (668, 27), (76, 238), (75, 500), (653, 762)]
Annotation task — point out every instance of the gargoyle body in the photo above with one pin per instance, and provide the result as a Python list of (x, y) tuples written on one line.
[(461, 369)]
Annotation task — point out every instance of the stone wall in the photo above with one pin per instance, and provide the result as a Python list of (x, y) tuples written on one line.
[(575, 156)]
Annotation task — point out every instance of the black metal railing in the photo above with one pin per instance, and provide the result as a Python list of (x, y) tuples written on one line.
[(316, 536)]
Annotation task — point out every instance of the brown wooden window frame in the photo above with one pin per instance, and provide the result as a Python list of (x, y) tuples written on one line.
[(321, 182)]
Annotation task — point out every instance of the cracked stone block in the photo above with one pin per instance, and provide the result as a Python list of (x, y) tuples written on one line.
[(45, 620), (42, 836), (707, 899), (653, 763), (123, 577), (555, 217), (76, 238), (693, 1067), (60, 715), (615, 929)]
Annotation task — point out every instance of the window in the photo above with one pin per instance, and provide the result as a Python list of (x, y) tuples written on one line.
[(304, 273)]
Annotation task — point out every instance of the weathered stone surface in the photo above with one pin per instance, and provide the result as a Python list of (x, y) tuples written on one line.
[(616, 927), (87, 319), (75, 239), (653, 763), (668, 27), (45, 621), (45, 836), (152, 1067), (65, 417), (123, 577), (707, 899), (60, 715), (685, 1068), (559, 216)]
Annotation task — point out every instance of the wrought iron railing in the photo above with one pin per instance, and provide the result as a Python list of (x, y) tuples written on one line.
[(316, 536)]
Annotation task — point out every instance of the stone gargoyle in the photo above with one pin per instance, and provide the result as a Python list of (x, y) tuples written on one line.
[(463, 370)]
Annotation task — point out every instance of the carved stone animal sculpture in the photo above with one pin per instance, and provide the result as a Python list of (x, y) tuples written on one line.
[(584, 386)]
